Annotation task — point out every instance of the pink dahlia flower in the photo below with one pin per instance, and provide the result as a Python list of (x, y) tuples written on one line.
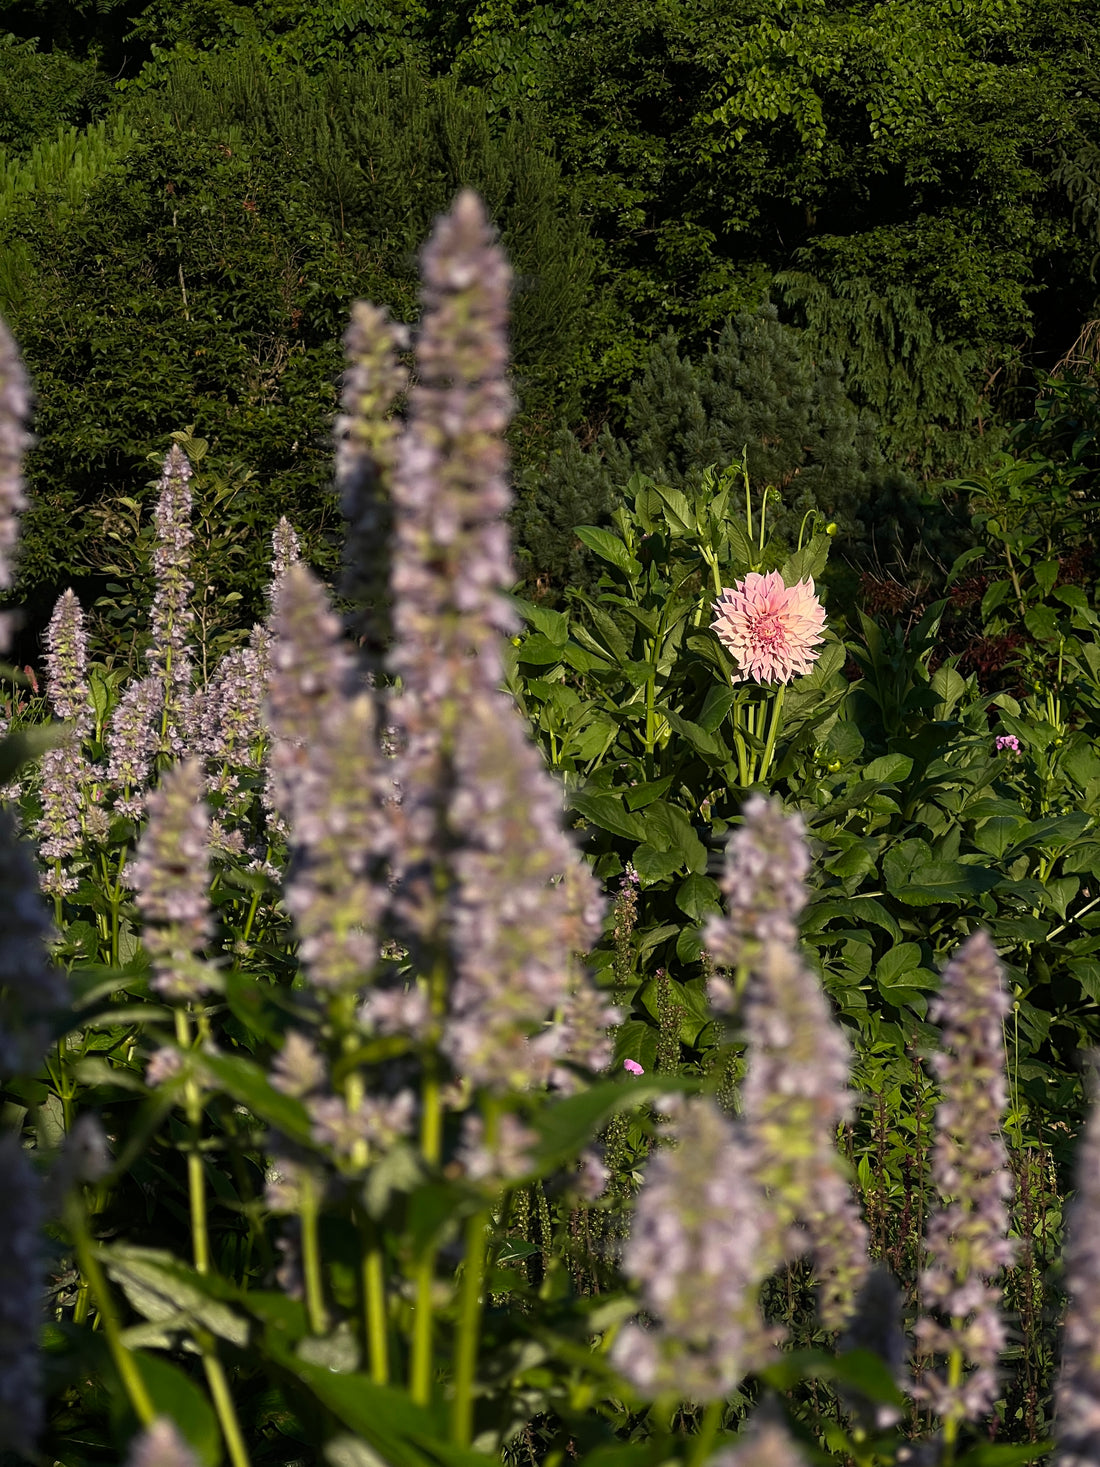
[(771, 629)]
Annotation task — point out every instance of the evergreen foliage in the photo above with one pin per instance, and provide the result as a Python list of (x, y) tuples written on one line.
[(43, 90), (214, 266), (757, 386)]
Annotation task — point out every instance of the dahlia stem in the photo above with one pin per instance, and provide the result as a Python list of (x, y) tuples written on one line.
[(773, 730)]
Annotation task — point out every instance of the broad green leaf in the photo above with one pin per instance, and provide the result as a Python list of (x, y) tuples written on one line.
[(161, 1288), (640, 795), (554, 625), (175, 1395), (678, 512), (608, 812), (995, 836), (652, 865), (889, 768), (667, 827), (717, 704), (539, 650), (608, 547), (807, 563), (698, 896), (701, 741), (246, 1081)]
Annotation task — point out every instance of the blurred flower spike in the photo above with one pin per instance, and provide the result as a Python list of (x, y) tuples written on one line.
[(771, 629)]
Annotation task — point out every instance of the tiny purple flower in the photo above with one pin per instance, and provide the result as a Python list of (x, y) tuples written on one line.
[(632, 1067), (1007, 741)]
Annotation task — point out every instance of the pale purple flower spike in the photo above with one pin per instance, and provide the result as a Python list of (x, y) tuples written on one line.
[(1077, 1394), (171, 875), (482, 860), (968, 1243), (694, 1253), (171, 616)]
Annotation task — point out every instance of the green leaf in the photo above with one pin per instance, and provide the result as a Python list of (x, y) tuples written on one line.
[(554, 625), (608, 547), (807, 563), (678, 513), (701, 741), (246, 1082), (566, 1126), (28, 744), (404, 1434), (667, 827), (175, 1395), (652, 865), (697, 896), (640, 795), (717, 704), (165, 1291), (539, 651), (1042, 623), (607, 811), (995, 836), (889, 768)]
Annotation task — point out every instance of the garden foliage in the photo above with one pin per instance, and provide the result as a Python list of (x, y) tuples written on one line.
[(361, 1132)]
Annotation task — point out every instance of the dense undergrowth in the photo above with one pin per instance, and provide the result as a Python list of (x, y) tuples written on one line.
[(359, 1114)]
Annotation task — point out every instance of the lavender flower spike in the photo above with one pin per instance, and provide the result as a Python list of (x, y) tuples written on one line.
[(285, 549), (171, 616), (367, 434), (795, 1095), (794, 1098), (967, 1238), (485, 869), (695, 1247), (326, 780), (161, 1445), (764, 884), (1077, 1395), (33, 993), (170, 875), (14, 442), (21, 1285), (67, 663), (132, 739), (68, 808)]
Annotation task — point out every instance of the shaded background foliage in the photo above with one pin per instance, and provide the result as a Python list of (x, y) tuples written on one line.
[(910, 185)]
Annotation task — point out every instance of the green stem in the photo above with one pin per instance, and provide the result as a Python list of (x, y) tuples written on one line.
[(704, 1437), (739, 744), (223, 1405), (773, 731), (469, 1328), (431, 1148), (196, 1182), (311, 1260), (125, 1364), (954, 1380), (374, 1295)]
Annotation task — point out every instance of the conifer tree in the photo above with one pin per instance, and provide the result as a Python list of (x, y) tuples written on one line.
[(756, 388)]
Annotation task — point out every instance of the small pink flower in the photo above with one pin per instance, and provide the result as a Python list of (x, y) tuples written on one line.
[(632, 1067), (771, 629), (1007, 741)]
